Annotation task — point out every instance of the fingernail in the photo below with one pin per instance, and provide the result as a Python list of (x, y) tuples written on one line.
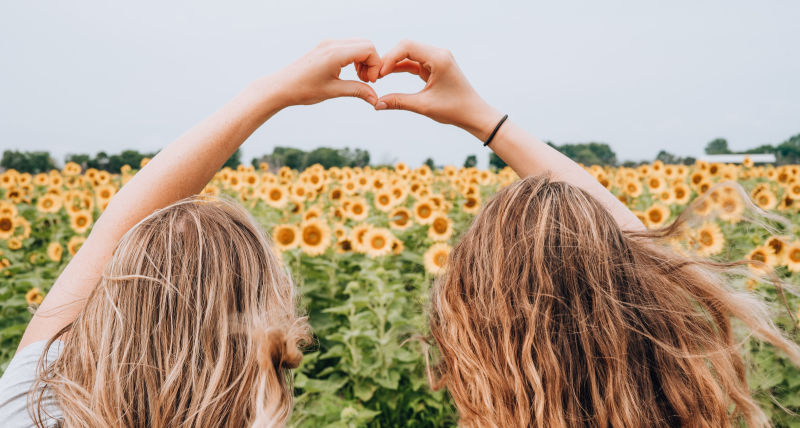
[(380, 105)]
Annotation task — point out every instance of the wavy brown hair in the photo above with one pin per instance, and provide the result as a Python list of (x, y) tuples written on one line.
[(550, 315), (194, 324)]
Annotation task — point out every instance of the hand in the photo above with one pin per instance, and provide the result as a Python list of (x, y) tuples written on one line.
[(315, 77), (447, 96)]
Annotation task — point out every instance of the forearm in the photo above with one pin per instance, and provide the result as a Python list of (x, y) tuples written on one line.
[(180, 170), (528, 156)]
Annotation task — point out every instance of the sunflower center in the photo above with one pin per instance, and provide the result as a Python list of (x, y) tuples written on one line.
[(794, 255), (81, 221), (706, 238), (378, 242), (655, 216), (439, 259), (286, 236), (312, 236), (5, 224), (275, 195), (440, 225), (759, 257)]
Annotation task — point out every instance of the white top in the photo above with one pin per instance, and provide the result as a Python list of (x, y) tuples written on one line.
[(16, 383)]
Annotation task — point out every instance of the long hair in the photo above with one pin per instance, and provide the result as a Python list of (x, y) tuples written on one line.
[(193, 324), (550, 315)]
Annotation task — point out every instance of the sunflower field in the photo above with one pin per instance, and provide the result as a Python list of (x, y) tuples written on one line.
[(365, 244)]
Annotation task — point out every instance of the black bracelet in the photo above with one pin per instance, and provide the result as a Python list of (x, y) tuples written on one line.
[(496, 128)]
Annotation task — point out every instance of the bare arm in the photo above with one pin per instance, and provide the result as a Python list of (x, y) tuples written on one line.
[(186, 165), (449, 98)]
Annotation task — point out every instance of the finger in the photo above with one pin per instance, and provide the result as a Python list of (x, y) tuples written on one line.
[(410, 102), (407, 49), (407, 66), (353, 88), (363, 53)]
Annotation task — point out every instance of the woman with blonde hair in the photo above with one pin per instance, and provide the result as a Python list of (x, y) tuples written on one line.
[(176, 312), (557, 307)]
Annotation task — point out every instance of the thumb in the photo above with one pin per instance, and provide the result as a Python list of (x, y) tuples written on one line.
[(408, 102), (352, 88)]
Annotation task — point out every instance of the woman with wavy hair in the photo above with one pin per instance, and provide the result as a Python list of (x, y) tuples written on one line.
[(176, 312), (558, 309)]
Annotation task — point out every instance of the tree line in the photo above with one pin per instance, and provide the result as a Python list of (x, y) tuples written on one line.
[(592, 153)]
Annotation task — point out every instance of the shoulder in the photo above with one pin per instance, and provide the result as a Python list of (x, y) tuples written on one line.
[(17, 381)]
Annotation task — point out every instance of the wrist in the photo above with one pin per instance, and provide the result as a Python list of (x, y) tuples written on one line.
[(481, 120), (269, 94)]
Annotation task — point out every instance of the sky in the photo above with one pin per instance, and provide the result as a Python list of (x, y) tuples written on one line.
[(90, 75)]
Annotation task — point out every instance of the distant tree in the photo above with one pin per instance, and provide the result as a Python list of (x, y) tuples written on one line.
[(495, 161), (788, 152), (235, 160), (32, 162), (667, 157), (718, 146), (762, 149), (588, 153), (325, 156), (471, 161), (111, 163), (430, 163)]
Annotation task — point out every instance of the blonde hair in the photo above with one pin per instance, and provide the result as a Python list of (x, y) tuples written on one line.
[(193, 324), (550, 315)]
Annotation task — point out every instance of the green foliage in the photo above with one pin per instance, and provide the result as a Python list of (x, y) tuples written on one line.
[(588, 153), (669, 158), (33, 162), (471, 161), (495, 161), (111, 163), (718, 146), (299, 160), (235, 159), (429, 162), (788, 152)]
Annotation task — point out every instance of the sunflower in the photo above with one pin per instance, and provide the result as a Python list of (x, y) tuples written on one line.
[(7, 225), (472, 204), (762, 255), (81, 221), (384, 200), (656, 215), (778, 246), (14, 243), (75, 244), (71, 168), (357, 237), (34, 296), (793, 190), (440, 228), (286, 236), (435, 258), (398, 246), (313, 212), (656, 184), (378, 242), (747, 162), (105, 192), (709, 240), (766, 200), (274, 195), (423, 211), (731, 208), (344, 245), (357, 209), (632, 188), (54, 251), (792, 256), (681, 194), (400, 218), (315, 237)]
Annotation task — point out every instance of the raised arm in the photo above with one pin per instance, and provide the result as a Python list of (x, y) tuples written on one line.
[(449, 98), (186, 165)]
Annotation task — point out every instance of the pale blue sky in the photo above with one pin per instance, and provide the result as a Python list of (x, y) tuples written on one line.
[(83, 76)]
